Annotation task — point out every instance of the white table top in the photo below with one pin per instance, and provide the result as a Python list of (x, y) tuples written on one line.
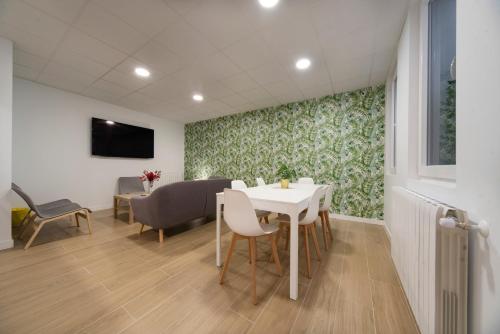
[(296, 192)]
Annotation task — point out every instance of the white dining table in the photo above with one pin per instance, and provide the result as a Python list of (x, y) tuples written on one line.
[(272, 197)]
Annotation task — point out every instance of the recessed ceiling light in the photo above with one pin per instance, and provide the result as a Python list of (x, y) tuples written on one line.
[(198, 97), (110, 122), (142, 72), (303, 64), (268, 3)]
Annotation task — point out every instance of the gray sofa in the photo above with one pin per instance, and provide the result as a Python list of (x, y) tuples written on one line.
[(178, 203)]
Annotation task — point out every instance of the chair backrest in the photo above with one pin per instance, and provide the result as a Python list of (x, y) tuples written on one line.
[(306, 180), (238, 184), (240, 215), (130, 184), (328, 198), (313, 208), (261, 182), (25, 197)]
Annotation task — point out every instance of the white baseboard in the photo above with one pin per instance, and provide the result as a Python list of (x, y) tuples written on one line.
[(6, 244), (357, 219)]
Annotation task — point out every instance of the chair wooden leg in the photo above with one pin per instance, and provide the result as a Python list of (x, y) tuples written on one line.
[(327, 219), (308, 255), (28, 244), (276, 257), (253, 255), (323, 229), (228, 257), (77, 220), (89, 223), (249, 251), (160, 235), (312, 227), (266, 219), (141, 229)]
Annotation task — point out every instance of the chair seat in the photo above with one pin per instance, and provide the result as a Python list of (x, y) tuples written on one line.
[(55, 204), (269, 228), (50, 212), (262, 213), (286, 218)]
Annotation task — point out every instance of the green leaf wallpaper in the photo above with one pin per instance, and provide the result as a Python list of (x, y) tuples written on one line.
[(334, 139)]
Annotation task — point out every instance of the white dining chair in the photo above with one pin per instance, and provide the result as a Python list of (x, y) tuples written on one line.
[(307, 224), (324, 215), (261, 214), (306, 180), (260, 181), (241, 219)]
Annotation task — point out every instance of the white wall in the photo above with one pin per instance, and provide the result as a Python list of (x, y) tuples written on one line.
[(5, 141), (477, 185), (52, 146)]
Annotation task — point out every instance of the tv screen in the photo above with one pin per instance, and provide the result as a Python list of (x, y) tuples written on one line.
[(113, 139)]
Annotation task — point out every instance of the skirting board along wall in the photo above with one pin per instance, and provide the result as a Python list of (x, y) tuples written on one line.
[(335, 139)]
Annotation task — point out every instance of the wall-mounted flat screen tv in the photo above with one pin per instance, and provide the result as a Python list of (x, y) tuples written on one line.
[(113, 139)]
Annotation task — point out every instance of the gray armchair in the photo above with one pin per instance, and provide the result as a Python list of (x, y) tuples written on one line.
[(177, 203)]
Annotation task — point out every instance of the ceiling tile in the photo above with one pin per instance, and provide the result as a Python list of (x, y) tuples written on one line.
[(354, 67), (269, 73), (127, 81), (166, 89), (19, 15), (29, 60), (64, 77), (285, 91), (28, 41), (79, 62), (100, 94), (91, 48), (65, 10), (138, 101), (240, 82), (182, 6), (249, 52), (100, 24), (114, 90), (221, 21), (147, 16), (317, 90), (156, 55), (255, 94), (351, 84), (185, 41), (234, 100)]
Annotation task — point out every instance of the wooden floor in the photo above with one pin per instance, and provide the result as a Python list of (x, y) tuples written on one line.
[(112, 282)]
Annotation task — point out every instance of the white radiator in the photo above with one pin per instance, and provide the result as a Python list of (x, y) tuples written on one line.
[(167, 178), (431, 262)]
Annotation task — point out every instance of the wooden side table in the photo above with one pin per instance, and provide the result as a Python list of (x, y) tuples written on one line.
[(126, 198)]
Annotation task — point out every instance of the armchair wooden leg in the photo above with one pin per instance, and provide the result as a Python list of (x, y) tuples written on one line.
[(160, 234), (23, 227), (276, 257), (89, 223), (253, 256), (323, 228), (28, 244), (228, 258), (266, 218), (308, 254), (312, 227), (77, 221)]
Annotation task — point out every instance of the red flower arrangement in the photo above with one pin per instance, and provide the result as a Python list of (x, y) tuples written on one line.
[(151, 176)]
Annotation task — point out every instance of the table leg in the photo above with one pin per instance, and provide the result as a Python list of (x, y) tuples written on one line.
[(217, 233), (294, 255), (130, 214)]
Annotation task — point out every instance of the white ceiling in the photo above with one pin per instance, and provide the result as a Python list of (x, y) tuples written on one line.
[(239, 55)]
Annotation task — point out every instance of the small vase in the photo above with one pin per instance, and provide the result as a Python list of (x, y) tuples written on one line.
[(150, 187), (284, 183)]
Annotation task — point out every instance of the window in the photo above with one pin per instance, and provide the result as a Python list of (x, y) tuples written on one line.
[(441, 83), (394, 116)]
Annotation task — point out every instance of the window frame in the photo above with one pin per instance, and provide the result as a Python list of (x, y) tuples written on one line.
[(393, 123), (446, 172)]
